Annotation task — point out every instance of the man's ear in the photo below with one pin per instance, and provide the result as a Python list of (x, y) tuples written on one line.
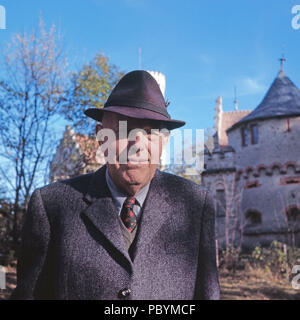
[(98, 127)]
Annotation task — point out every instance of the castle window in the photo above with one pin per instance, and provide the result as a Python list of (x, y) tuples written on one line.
[(244, 136), (221, 203), (252, 184), (290, 180), (293, 215), (254, 134), (253, 218)]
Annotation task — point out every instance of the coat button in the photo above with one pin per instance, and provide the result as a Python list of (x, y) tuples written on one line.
[(124, 293)]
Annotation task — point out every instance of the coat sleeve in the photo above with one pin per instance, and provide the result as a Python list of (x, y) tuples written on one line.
[(207, 283), (33, 250)]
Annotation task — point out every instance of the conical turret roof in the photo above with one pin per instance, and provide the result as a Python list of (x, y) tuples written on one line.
[(281, 100)]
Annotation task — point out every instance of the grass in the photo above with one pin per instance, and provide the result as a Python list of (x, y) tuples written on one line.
[(255, 284)]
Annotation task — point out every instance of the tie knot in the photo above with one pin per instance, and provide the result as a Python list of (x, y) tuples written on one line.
[(129, 202)]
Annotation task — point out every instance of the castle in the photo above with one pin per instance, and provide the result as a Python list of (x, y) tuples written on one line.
[(253, 170)]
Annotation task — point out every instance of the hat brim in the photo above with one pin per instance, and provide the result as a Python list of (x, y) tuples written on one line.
[(136, 113)]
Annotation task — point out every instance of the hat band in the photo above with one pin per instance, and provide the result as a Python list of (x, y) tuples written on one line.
[(137, 104)]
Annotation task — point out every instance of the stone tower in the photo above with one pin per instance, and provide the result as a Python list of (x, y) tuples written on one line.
[(161, 80)]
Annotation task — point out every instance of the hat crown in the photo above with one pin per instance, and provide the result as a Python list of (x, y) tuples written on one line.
[(138, 88)]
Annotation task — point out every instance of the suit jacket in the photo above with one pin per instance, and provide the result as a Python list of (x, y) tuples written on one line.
[(72, 245)]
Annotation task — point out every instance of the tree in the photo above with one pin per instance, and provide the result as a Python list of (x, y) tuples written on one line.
[(31, 94), (89, 88), (233, 225)]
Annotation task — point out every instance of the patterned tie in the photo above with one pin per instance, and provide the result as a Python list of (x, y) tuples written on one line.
[(127, 215)]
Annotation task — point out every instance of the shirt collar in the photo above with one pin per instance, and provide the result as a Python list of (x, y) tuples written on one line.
[(119, 197)]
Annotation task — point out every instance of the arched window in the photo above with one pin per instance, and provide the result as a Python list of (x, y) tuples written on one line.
[(253, 218)]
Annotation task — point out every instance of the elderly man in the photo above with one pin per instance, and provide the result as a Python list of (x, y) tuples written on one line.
[(127, 231)]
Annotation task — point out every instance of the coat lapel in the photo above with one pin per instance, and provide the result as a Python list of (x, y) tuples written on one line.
[(157, 209), (102, 212)]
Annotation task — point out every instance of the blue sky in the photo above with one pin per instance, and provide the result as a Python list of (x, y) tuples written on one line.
[(204, 48)]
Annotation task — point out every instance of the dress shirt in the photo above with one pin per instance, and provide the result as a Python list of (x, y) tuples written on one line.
[(119, 197)]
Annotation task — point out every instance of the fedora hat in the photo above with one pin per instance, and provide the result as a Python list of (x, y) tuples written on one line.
[(137, 95)]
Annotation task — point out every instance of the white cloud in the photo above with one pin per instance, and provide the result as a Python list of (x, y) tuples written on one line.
[(250, 85)]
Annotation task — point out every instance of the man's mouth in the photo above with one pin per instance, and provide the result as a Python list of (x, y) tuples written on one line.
[(137, 160)]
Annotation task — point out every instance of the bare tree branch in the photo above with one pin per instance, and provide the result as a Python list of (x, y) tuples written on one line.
[(31, 95)]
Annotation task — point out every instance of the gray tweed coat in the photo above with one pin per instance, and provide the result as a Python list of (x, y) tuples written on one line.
[(73, 248)]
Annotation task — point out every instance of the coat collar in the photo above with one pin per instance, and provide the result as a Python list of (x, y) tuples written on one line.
[(103, 214)]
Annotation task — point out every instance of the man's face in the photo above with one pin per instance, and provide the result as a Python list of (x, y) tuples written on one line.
[(137, 151)]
